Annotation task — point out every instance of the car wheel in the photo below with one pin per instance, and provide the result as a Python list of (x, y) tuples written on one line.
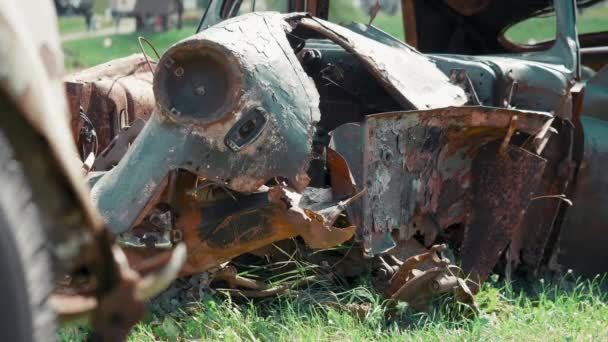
[(25, 265)]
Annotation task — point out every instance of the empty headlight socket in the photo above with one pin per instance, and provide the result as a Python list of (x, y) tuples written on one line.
[(247, 130)]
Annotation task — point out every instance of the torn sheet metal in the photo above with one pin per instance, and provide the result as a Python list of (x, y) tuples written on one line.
[(112, 96), (427, 274), (234, 106), (217, 224), (410, 77), (503, 184), (533, 240), (419, 168), (219, 230)]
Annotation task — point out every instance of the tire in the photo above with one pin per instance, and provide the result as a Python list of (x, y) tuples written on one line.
[(26, 276)]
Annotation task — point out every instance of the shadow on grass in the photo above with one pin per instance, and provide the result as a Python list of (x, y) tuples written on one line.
[(562, 308), (330, 310)]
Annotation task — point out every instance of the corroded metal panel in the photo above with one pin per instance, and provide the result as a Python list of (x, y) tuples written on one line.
[(503, 185), (234, 106), (419, 168), (112, 95)]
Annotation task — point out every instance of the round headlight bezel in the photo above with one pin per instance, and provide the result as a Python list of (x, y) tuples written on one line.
[(198, 81)]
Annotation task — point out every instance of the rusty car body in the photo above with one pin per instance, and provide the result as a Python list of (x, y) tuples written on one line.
[(271, 126)]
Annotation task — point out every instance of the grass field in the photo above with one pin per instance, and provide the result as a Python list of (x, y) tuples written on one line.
[(71, 24), (564, 311), (77, 24), (91, 51), (594, 19)]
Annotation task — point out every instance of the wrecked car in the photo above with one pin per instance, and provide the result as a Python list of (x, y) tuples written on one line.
[(442, 158)]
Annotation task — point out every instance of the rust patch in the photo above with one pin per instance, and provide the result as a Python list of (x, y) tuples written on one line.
[(503, 185)]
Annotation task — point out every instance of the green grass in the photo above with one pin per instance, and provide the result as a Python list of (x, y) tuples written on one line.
[(564, 311), (343, 11), (71, 24), (101, 5), (91, 51), (594, 19), (77, 24)]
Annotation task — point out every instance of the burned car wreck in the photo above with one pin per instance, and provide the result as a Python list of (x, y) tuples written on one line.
[(268, 126)]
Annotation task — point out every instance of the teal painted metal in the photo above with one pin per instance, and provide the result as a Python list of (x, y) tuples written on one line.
[(583, 238), (538, 80), (413, 87), (260, 74), (596, 96)]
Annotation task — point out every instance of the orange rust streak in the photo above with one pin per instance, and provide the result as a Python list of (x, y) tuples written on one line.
[(284, 224), (341, 180), (315, 233), (202, 257)]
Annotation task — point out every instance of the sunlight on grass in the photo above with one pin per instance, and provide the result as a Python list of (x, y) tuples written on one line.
[(540, 29), (71, 24), (91, 51), (565, 310)]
